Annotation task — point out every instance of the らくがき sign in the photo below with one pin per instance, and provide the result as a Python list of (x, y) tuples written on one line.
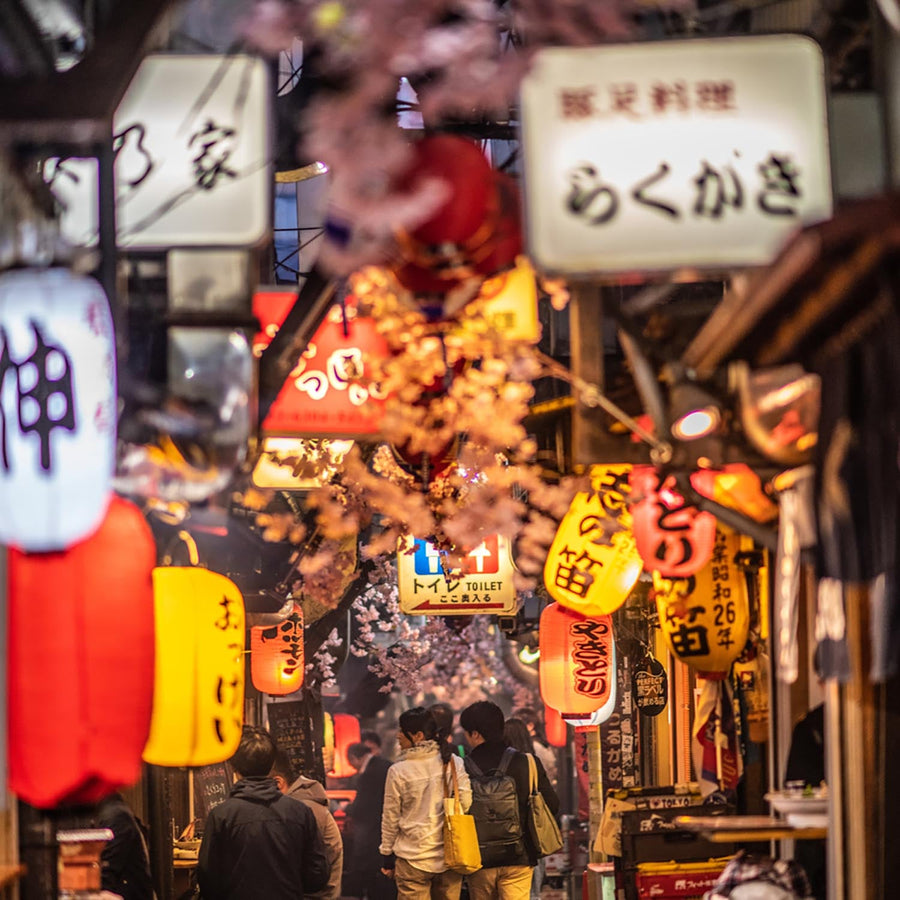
[(705, 153), (484, 584), (57, 408), (593, 563), (327, 394), (192, 160)]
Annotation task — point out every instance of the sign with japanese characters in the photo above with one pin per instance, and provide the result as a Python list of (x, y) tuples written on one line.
[(650, 687), (508, 302), (673, 537), (57, 408), (483, 585), (703, 153), (192, 158), (593, 562), (327, 394), (705, 618)]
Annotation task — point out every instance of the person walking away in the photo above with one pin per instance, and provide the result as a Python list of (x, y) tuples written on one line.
[(443, 717), (508, 853), (310, 792), (412, 825), (363, 877), (125, 860), (541, 749), (517, 736), (259, 844), (372, 739)]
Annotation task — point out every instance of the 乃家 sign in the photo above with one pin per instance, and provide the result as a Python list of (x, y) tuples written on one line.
[(704, 153)]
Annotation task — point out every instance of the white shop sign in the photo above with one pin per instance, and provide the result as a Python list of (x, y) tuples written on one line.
[(193, 158), (701, 153)]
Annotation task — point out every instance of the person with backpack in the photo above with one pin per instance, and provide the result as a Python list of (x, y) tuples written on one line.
[(500, 778), (412, 820)]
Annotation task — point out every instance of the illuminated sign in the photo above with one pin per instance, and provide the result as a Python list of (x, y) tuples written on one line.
[(654, 156), (484, 584), (327, 394)]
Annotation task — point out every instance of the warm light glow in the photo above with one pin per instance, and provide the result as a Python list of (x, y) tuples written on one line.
[(198, 704), (276, 655), (697, 424), (346, 732), (529, 656), (293, 464)]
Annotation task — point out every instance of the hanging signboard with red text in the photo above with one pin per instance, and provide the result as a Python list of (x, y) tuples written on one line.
[(327, 394), (593, 562), (705, 153), (484, 584)]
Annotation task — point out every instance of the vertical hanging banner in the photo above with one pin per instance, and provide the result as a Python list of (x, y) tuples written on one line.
[(619, 734), (329, 393), (593, 562), (673, 537), (57, 408)]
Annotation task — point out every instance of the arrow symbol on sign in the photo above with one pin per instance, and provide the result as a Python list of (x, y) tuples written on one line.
[(480, 553)]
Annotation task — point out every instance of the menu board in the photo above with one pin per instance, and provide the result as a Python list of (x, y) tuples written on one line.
[(212, 785), (296, 727), (619, 734)]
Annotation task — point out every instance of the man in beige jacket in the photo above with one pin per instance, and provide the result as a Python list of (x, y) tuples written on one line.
[(310, 792)]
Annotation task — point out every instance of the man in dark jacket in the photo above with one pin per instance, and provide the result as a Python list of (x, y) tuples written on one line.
[(125, 861), (482, 723), (260, 844), (363, 877)]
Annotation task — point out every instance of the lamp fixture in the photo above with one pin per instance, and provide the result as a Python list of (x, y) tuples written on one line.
[(695, 413)]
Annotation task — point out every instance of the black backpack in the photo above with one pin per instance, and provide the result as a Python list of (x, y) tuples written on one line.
[(495, 808)]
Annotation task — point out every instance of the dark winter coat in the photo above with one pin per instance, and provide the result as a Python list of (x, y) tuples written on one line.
[(124, 862), (261, 845), (487, 756)]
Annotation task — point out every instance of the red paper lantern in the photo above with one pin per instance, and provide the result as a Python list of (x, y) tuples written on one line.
[(81, 661), (474, 232), (346, 732), (673, 537), (276, 655), (576, 667), (555, 727)]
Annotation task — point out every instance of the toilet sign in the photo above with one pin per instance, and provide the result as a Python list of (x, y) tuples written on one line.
[(483, 584)]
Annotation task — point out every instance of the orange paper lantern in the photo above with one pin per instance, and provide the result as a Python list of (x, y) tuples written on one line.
[(555, 727), (346, 732), (276, 655), (576, 668), (80, 663)]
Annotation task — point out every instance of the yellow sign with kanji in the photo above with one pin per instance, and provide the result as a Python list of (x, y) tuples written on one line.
[(593, 562), (484, 584), (509, 302), (705, 618)]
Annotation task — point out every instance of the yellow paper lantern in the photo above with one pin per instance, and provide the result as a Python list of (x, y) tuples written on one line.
[(198, 703), (705, 618), (276, 655), (593, 562)]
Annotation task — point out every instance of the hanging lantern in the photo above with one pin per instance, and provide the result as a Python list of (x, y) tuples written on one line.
[(198, 703), (58, 408), (555, 727), (738, 487), (80, 663), (327, 742), (474, 232), (705, 618), (599, 716), (593, 563), (276, 655), (673, 537), (577, 661), (346, 732)]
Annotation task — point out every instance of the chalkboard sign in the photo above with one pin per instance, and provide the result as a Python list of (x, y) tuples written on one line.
[(650, 687), (212, 785), (293, 726)]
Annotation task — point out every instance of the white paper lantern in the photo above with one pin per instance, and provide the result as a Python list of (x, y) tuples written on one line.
[(57, 407)]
